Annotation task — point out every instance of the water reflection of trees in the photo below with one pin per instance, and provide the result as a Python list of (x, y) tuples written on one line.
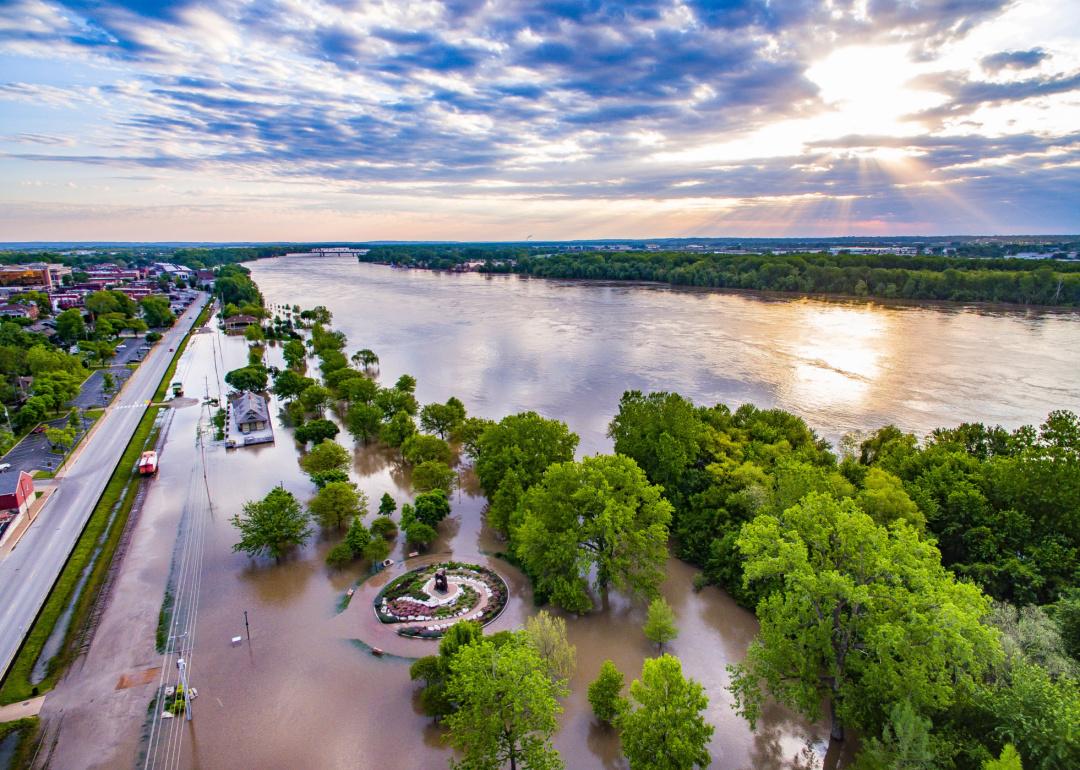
[(603, 742)]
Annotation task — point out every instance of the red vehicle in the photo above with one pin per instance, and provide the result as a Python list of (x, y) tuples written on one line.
[(148, 464), (40, 429)]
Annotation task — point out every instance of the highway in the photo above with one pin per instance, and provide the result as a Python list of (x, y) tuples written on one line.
[(28, 573)]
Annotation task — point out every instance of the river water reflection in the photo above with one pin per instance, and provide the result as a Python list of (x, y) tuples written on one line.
[(303, 694)]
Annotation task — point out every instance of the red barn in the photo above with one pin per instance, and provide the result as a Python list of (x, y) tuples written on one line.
[(16, 493)]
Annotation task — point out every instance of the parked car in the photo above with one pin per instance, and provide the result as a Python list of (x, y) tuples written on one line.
[(4, 467), (40, 429)]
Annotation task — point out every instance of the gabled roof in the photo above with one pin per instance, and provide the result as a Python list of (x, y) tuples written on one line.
[(249, 407), (9, 482)]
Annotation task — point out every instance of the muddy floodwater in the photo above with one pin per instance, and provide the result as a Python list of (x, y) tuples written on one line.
[(305, 691)]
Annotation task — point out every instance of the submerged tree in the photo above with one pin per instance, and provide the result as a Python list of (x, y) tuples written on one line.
[(597, 520), (663, 727), (272, 525), (507, 707), (660, 625)]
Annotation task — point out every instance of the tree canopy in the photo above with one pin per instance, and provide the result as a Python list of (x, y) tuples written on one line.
[(507, 707), (592, 524), (271, 525), (663, 727), (858, 615)]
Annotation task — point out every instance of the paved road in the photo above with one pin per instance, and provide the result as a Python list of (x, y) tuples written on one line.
[(29, 572)]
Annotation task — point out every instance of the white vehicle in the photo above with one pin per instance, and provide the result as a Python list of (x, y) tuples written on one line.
[(4, 467)]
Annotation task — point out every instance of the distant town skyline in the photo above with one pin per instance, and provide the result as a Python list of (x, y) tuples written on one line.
[(231, 120)]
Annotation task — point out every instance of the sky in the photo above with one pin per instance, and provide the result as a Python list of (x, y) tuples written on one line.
[(348, 120)]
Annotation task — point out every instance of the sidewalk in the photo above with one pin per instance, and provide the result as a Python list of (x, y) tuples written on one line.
[(21, 710)]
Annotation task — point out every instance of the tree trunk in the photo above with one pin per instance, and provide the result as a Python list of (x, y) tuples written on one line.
[(837, 731)]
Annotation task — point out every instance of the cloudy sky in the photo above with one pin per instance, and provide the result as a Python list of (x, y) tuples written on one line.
[(500, 119)]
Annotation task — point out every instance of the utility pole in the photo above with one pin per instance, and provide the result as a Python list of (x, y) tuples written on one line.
[(180, 664), (246, 626)]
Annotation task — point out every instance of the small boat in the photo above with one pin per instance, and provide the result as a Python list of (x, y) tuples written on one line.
[(377, 652)]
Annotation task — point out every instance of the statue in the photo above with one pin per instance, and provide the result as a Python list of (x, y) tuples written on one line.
[(440, 581)]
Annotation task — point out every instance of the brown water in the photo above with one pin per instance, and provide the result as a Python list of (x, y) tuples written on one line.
[(303, 694), (569, 349)]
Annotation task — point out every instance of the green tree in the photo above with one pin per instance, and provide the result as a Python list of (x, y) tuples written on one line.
[(327, 456), (399, 428), (376, 550), (421, 447), (884, 498), (525, 443), (596, 520), (406, 383), (663, 727), (316, 431), (254, 333), (315, 398), (271, 525), (101, 302), (339, 556), (358, 538), (99, 350), (660, 625), (249, 378), (337, 503), (70, 326), (905, 744), (605, 693), (321, 478), (387, 505), (358, 390), (156, 311), (108, 382), (444, 420), (433, 475), (295, 355), (507, 707), (366, 358), (63, 438), (363, 421), (434, 670), (1009, 759), (288, 384), (857, 615), (431, 507), (547, 634), (384, 527)]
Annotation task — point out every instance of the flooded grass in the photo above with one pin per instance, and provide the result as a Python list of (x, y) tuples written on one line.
[(17, 742)]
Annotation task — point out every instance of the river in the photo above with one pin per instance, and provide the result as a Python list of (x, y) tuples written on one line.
[(569, 349), (303, 693)]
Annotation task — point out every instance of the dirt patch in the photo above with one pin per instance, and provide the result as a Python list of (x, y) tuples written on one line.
[(138, 678)]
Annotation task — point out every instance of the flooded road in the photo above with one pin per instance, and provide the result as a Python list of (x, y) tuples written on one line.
[(305, 693)]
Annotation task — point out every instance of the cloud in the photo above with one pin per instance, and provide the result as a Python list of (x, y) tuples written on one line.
[(1014, 60), (540, 101)]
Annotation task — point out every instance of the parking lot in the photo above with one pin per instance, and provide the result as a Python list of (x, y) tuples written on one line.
[(33, 453)]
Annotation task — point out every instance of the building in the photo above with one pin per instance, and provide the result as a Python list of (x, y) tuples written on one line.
[(248, 420), (19, 311), (16, 493), (238, 323)]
